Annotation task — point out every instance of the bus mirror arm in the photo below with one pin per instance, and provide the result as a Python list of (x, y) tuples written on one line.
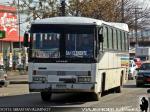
[(26, 41), (100, 38)]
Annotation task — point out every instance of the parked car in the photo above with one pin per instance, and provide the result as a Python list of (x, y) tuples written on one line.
[(132, 69), (3, 77), (143, 75)]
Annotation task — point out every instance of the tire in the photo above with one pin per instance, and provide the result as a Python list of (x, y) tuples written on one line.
[(96, 96), (148, 91), (46, 96), (118, 89), (132, 78), (139, 84), (2, 82)]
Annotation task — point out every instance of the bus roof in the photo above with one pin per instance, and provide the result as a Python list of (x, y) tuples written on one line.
[(79, 21)]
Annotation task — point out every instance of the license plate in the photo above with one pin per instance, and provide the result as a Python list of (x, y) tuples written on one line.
[(39, 78), (61, 86)]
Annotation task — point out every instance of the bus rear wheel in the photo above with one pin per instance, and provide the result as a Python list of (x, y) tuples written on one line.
[(118, 89), (46, 96)]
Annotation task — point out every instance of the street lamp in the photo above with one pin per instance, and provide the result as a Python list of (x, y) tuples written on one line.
[(19, 25), (122, 11), (63, 7)]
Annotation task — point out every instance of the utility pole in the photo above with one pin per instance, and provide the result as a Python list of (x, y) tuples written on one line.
[(136, 12), (122, 11), (135, 27), (142, 36), (19, 25), (63, 7)]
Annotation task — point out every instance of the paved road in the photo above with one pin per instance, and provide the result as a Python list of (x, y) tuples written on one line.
[(129, 98)]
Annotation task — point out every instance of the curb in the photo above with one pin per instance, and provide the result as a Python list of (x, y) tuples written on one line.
[(18, 82)]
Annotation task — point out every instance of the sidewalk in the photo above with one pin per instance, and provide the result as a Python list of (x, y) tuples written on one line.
[(14, 89), (18, 84), (15, 77)]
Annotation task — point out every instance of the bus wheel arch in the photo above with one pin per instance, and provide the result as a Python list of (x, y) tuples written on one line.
[(121, 78), (103, 80), (118, 89)]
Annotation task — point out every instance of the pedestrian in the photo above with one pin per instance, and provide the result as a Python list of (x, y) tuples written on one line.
[(144, 105)]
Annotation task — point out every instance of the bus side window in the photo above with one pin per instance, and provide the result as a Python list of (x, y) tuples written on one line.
[(115, 39), (110, 38), (123, 41), (105, 36), (126, 41), (119, 39)]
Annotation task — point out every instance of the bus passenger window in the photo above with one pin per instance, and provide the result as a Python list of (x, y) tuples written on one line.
[(105, 38)]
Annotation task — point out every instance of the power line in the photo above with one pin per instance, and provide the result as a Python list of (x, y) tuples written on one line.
[(19, 24)]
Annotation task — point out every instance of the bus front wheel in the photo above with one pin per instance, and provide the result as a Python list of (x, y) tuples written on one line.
[(96, 96), (46, 96)]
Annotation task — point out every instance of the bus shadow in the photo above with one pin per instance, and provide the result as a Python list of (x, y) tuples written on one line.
[(71, 99), (34, 100)]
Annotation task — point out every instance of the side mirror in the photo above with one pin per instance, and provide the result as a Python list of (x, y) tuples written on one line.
[(26, 37), (100, 38)]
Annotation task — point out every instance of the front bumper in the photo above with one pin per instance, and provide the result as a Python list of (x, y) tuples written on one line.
[(61, 87)]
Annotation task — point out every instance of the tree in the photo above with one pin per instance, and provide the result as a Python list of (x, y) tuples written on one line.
[(134, 12), (107, 10), (111, 10), (99, 9), (38, 9)]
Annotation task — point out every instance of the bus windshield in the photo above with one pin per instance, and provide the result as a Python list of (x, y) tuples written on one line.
[(79, 45), (47, 45)]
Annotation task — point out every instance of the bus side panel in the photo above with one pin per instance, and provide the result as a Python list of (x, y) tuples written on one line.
[(110, 67), (30, 71)]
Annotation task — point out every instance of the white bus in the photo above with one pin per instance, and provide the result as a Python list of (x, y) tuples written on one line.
[(77, 54)]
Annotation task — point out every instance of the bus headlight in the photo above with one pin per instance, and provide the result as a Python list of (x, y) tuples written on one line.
[(84, 79)]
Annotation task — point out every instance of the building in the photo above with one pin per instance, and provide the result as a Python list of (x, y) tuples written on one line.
[(9, 37)]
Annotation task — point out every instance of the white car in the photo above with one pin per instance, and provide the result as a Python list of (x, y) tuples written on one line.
[(132, 70)]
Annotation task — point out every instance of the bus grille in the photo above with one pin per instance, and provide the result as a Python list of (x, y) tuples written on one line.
[(68, 80), (63, 73)]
